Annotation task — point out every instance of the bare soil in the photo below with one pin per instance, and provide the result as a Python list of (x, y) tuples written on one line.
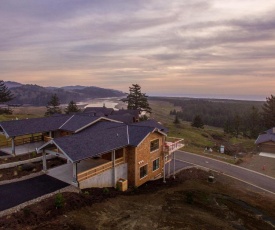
[(17, 172), (188, 202)]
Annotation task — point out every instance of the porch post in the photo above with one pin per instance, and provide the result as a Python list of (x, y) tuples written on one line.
[(44, 161), (169, 168), (114, 166), (164, 167), (12, 146), (50, 134), (75, 173), (174, 154)]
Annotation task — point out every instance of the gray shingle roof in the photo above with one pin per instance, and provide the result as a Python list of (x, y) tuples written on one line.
[(101, 138), (269, 135), (98, 110), (152, 123), (34, 125)]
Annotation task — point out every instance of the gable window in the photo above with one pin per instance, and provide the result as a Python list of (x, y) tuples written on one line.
[(156, 164), (154, 145), (143, 171)]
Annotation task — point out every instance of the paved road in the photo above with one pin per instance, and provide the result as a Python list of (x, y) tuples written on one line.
[(254, 178), (19, 192), (179, 165)]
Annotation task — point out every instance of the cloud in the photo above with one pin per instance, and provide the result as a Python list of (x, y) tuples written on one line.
[(173, 45)]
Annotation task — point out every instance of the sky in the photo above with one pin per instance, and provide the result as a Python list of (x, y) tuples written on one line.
[(208, 48)]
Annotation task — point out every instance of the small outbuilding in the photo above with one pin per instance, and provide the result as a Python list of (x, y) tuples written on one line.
[(266, 141)]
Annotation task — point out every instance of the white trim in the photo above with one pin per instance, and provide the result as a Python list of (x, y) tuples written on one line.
[(146, 173), (66, 121), (154, 149), (4, 131), (99, 119), (153, 164), (128, 139)]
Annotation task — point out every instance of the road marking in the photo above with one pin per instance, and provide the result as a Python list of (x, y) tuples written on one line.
[(228, 164), (230, 176)]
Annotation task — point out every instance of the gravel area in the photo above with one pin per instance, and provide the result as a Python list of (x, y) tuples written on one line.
[(264, 165)]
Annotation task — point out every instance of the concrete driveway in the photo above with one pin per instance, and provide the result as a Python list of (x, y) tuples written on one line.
[(256, 179), (16, 193)]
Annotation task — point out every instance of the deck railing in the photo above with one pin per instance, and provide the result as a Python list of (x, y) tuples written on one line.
[(21, 141), (172, 144), (99, 169)]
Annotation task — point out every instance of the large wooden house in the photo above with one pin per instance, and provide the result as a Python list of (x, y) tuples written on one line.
[(99, 150)]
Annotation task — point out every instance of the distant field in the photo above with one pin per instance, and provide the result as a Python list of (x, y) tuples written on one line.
[(197, 140)]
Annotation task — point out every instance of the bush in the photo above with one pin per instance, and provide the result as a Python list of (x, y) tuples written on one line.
[(106, 191), (59, 201)]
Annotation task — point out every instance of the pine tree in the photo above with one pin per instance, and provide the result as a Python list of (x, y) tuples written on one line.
[(53, 106), (5, 93), (5, 96), (71, 108), (177, 120), (268, 113), (137, 100), (197, 122)]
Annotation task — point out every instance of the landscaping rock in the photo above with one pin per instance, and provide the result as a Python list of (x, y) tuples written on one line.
[(28, 167)]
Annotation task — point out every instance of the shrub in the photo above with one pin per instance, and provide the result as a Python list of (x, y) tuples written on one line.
[(106, 191), (59, 201)]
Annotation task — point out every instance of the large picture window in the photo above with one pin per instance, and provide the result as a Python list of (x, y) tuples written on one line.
[(143, 171), (154, 145), (156, 164)]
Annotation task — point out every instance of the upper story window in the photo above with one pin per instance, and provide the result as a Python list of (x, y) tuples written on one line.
[(154, 145)]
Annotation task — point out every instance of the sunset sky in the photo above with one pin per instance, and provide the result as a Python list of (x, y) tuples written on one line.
[(212, 48)]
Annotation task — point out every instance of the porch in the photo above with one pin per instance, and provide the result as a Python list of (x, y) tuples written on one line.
[(23, 145), (171, 145), (101, 171)]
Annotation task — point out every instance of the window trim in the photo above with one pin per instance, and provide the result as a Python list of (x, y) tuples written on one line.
[(158, 145), (153, 164), (146, 171)]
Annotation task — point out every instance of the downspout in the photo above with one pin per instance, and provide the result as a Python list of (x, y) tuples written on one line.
[(13, 146)]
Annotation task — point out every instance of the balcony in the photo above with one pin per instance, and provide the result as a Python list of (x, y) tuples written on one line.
[(172, 144)]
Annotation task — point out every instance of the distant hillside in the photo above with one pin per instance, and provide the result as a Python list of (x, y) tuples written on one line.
[(12, 84), (39, 96)]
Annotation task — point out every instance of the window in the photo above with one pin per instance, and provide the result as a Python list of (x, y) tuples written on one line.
[(156, 164), (143, 171), (154, 145)]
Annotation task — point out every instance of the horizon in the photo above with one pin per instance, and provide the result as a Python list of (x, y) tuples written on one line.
[(207, 47)]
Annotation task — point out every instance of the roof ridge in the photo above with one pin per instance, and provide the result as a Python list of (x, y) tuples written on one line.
[(66, 122)]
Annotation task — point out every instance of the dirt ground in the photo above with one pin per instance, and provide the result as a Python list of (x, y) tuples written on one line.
[(17, 172), (188, 202)]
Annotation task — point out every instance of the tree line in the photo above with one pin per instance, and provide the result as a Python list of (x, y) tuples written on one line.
[(247, 118)]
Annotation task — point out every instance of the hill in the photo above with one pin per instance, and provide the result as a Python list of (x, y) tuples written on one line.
[(39, 96)]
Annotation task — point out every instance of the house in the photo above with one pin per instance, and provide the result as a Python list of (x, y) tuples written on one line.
[(99, 150), (266, 142)]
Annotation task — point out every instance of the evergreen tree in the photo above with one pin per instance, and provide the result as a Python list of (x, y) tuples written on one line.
[(237, 125), (71, 108), (53, 106), (137, 100), (176, 121), (197, 122), (252, 123), (5, 96), (268, 114)]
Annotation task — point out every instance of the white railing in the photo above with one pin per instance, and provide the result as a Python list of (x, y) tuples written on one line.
[(172, 144)]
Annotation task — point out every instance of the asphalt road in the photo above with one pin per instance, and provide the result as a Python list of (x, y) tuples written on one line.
[(16, 193), (254, 178)]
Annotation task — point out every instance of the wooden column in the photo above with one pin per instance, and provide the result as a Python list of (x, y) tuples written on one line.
[(114, 166), (44, 159), (13, 146)]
